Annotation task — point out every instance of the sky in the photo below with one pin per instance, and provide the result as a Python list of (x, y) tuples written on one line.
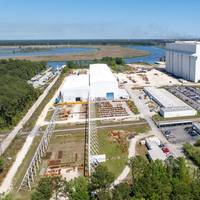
[(99, 19)]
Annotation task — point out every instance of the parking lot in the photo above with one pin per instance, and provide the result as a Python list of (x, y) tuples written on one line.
[(189, 95), (181, 134)]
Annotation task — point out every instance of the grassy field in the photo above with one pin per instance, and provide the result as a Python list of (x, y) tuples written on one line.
[(23, 167), (10, 154), (116, 158)]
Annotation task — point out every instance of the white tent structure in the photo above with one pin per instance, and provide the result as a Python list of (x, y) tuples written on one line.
[(75, 88), (103, 83)]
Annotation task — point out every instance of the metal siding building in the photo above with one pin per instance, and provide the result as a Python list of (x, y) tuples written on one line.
[(103, 83), (99, 83), (170, 105), (183, 59), (75, 88)]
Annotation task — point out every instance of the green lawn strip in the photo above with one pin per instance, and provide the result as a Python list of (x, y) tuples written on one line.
[(132, 107), (25, 163), (116, 159), (62, 137), (141, 128), (49, 115), (20, 195), (159, 118), (69, 126), (107, 122), (10, 154)]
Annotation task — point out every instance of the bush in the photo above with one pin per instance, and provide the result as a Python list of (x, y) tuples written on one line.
[(197, 143), (132, 107), (193, 153)]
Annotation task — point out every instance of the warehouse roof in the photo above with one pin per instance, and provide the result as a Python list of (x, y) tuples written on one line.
[(76, 82), (187, 42), (166, 99), (101, 73)]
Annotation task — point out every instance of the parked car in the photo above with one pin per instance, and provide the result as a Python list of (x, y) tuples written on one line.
[(167, 132), (187, 128), (161, 145), (192, 133), (165, 150)]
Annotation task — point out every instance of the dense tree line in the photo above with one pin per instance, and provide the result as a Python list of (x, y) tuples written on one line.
[(16, 95), (154, 180), (117, 64), (171, 181), (87, 42), (193, 152)]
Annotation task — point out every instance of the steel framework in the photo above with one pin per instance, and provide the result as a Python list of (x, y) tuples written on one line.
[(93, 147), (33, 168)]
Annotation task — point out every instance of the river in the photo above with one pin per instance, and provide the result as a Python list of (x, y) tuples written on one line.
[(155, 54)]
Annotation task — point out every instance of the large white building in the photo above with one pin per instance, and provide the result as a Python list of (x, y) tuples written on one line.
[(183, 59), (75, 88), (99, 83), (170, 105), (103, 83)]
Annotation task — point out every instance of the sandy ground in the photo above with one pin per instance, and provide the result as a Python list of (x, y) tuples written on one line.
[(103, 51), (154, 77)]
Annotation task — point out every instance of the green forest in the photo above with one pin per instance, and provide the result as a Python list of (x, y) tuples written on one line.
[(155, 180), (116, 64), (16, 95)]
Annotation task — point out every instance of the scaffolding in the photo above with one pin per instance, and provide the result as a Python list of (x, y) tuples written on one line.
[(29, 177), (93, 147)]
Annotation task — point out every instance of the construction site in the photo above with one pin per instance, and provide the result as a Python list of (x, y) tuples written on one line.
[(81, 130), (97, 117)]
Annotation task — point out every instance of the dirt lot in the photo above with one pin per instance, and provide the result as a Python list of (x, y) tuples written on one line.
[(68, 149), (153, 77), (103, 51), (65, 156)]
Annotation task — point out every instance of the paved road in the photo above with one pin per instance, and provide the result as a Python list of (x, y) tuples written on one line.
[(7, 141), (147, 115), (7, 182)]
